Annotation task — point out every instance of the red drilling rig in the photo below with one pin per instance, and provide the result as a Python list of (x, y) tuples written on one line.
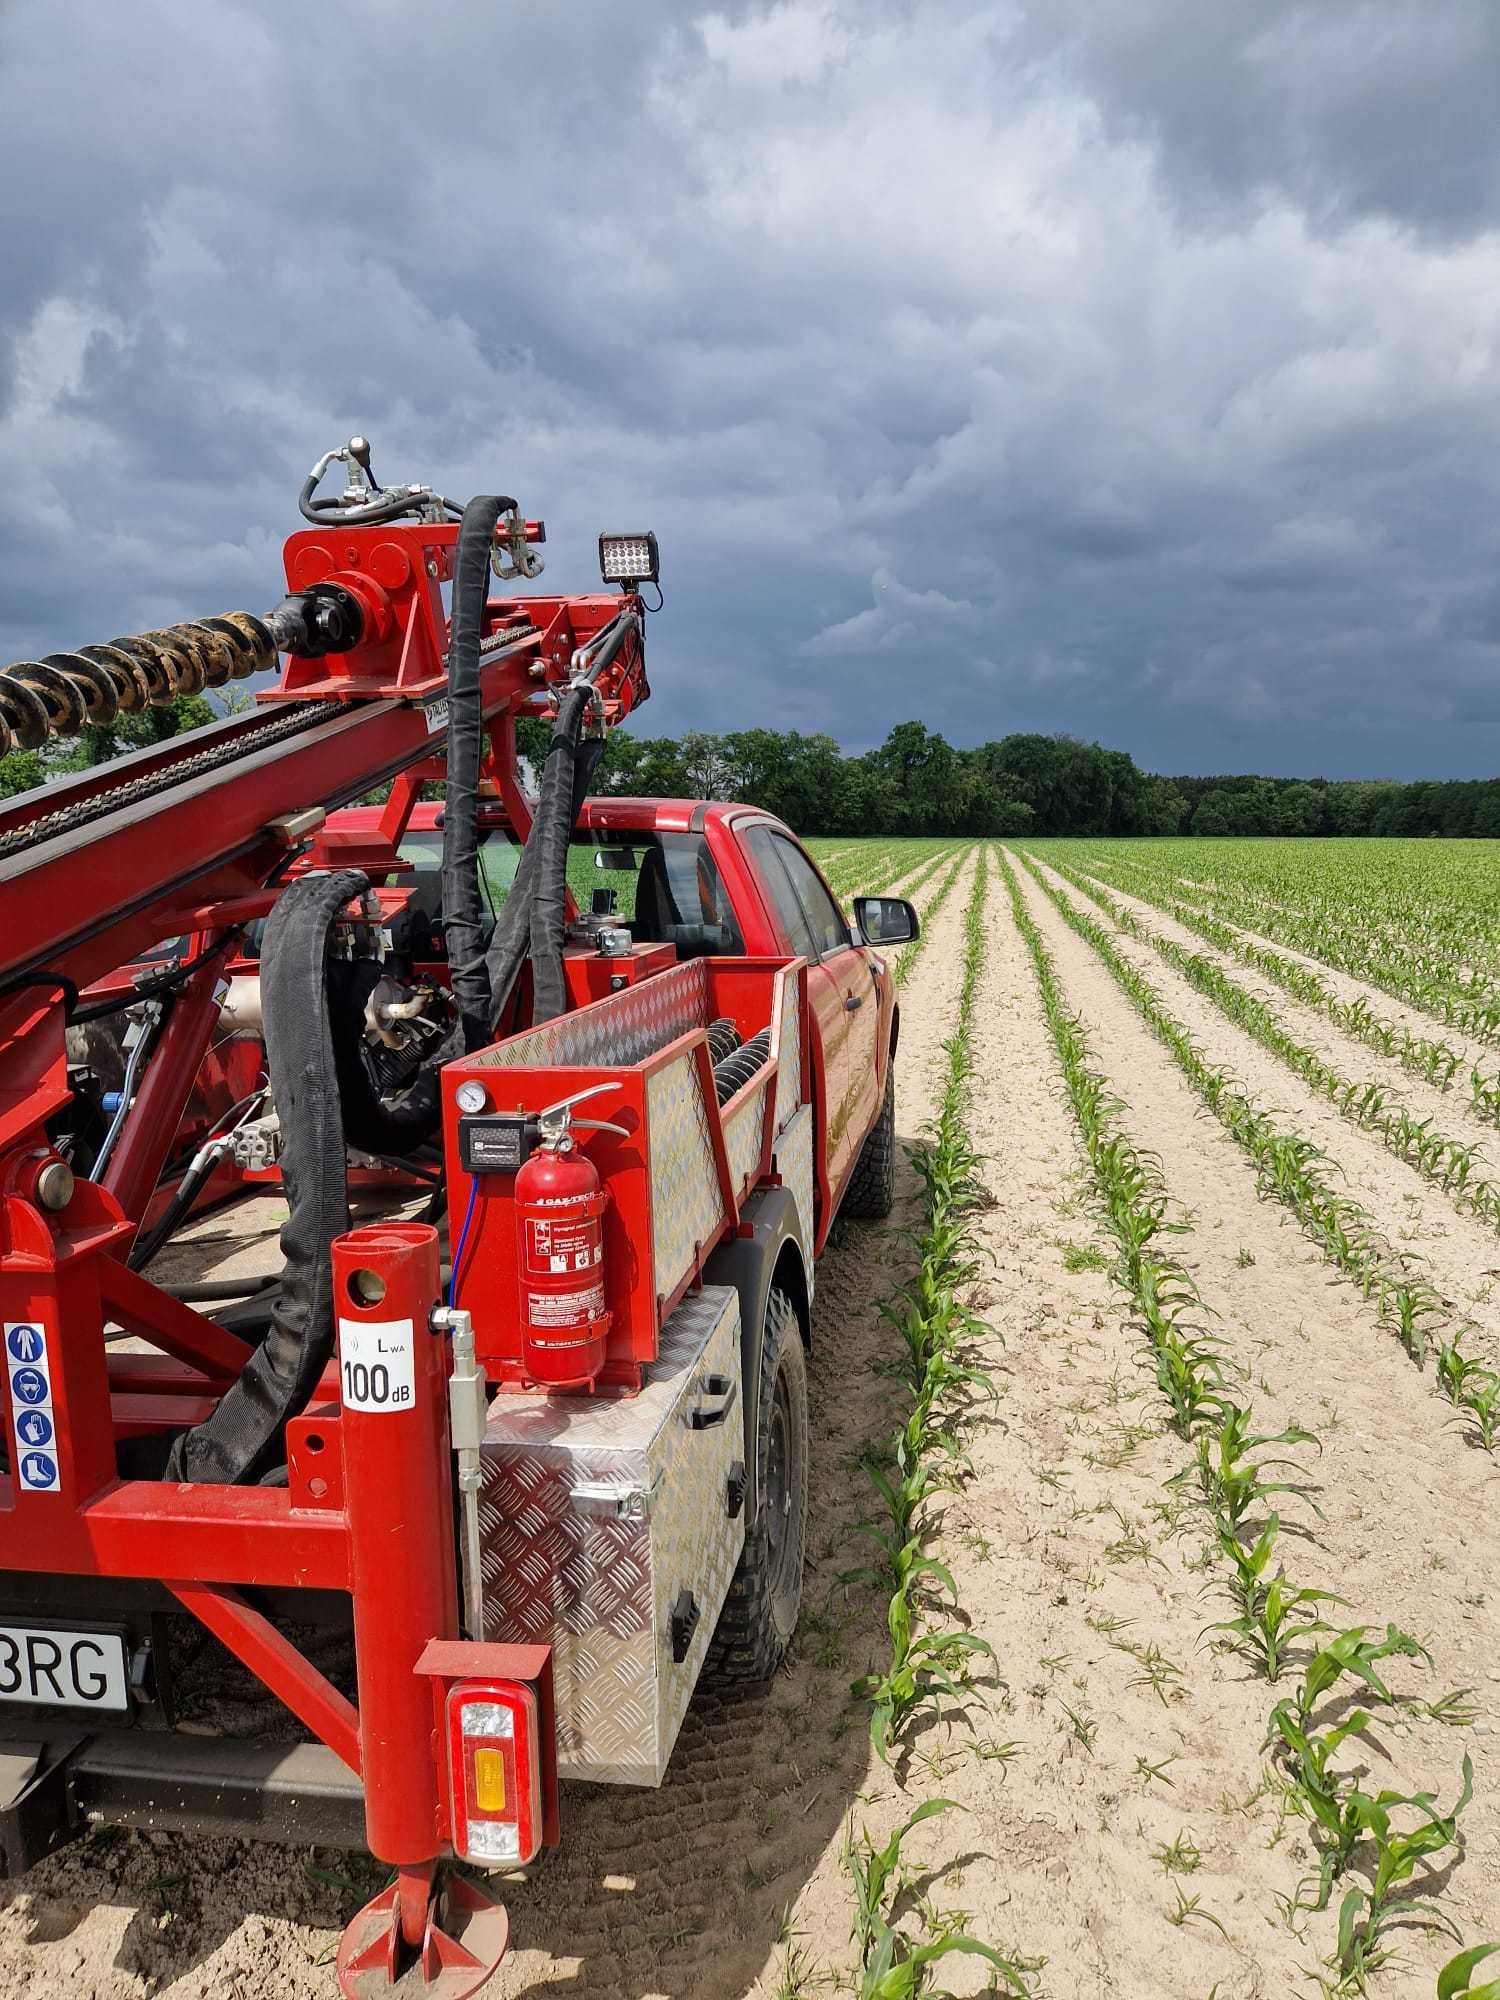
[(530, 1474)]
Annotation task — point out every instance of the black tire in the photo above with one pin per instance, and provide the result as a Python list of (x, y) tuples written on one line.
[(871, 1193), (760, 1613)]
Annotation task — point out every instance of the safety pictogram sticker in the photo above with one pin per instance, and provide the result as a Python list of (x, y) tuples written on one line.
[(29, 1366)]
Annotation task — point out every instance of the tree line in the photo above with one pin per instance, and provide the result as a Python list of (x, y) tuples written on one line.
[(916, 782)]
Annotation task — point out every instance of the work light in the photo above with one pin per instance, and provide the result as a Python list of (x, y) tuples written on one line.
[(628, 559)]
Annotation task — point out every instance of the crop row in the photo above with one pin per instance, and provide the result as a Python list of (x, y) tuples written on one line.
[(1277, 1622), (1288, 1166), (1435, 1061), (1430, 902), (872, 867), (1452, 1164), (929, 1664), (1330, 917)]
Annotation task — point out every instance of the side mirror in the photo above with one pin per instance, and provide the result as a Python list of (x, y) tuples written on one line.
[(885, 919)]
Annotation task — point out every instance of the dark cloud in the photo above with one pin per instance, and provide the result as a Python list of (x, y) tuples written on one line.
[(1127, 367)]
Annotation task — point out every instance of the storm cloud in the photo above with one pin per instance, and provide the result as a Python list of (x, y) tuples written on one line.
[(1125, 367)]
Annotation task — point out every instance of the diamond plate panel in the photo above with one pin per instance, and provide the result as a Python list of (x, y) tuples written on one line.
[(789, 1050), (742, 1136), (600, 1587), (624, 1027), (686, 1205), (794, 1163)]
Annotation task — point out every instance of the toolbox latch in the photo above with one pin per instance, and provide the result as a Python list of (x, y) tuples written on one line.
[(611, 1500)]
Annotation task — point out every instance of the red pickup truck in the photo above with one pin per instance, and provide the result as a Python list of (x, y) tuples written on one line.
[(739, 1035), (714, 880)]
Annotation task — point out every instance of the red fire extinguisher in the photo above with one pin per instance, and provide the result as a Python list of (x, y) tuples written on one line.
[(560, 1204)]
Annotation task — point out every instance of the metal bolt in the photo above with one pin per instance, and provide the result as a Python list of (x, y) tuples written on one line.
[(54, 1185)]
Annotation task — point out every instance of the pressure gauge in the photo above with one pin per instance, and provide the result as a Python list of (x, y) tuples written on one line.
[(471, 1095)]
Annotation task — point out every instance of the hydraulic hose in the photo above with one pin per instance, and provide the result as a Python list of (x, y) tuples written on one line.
[(512, 938), (565, 776), (462, 909), (244, 1436)]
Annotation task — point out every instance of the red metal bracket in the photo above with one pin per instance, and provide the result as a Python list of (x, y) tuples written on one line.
[(310, 1695)]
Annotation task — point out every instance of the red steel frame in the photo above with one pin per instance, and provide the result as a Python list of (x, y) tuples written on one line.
[(368, 1507)]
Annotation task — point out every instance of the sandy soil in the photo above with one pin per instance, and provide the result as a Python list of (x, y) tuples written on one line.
[(1113, 1738)]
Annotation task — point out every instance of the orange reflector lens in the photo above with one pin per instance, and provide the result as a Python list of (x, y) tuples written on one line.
[(489, 1781)]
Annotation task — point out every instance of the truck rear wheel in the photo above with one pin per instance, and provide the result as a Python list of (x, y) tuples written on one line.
[(871, 1193), (760, 1613)]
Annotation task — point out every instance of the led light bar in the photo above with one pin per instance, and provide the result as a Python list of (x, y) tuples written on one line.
[(628, 559)]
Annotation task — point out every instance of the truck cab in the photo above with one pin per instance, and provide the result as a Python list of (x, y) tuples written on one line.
[(716, 879)]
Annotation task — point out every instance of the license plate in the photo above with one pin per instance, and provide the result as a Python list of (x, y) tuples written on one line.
[(54, 1666)]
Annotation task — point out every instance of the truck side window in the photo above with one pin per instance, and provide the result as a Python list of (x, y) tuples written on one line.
[(825, 919), (809, 928)]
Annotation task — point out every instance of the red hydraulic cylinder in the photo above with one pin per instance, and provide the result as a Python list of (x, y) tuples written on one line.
[(166, 1085), (398, 1499)]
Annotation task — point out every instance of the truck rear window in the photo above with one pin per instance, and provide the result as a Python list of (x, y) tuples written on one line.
[(663, 887)]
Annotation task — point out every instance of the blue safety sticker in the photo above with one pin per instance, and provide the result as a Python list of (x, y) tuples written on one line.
[(29, 1366), (34, 1427)]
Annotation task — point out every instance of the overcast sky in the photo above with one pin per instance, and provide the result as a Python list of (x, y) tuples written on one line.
[(1124, 367)]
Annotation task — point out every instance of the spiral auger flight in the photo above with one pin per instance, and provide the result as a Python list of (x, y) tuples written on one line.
[(66, 693)]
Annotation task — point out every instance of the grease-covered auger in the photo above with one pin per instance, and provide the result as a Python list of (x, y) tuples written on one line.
[(66, 693)]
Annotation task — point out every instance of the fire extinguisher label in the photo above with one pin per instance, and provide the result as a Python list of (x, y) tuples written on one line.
[(565, 1308), (556, 1245), (377, 1364)]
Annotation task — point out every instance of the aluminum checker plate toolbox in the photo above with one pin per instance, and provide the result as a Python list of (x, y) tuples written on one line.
[(596, 1515)]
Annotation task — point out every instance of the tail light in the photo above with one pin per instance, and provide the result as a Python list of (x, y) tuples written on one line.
[(494, 1772)]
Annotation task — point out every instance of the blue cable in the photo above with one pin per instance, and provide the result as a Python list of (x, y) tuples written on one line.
[(463, 1237)]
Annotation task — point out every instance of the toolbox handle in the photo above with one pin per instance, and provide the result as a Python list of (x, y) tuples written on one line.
[(706, 1419), (610, 1500)]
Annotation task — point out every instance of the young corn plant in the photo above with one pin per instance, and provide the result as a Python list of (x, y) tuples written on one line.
[(1474, 1391), (1274, 1613), (1230, 1476), (1366, 1915), (892, 1965), (925, 1670)]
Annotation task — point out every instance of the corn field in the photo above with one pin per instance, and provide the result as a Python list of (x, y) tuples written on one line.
[(1182, 1520)]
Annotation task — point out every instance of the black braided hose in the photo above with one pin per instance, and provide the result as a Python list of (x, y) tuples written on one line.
[(69, 692)]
